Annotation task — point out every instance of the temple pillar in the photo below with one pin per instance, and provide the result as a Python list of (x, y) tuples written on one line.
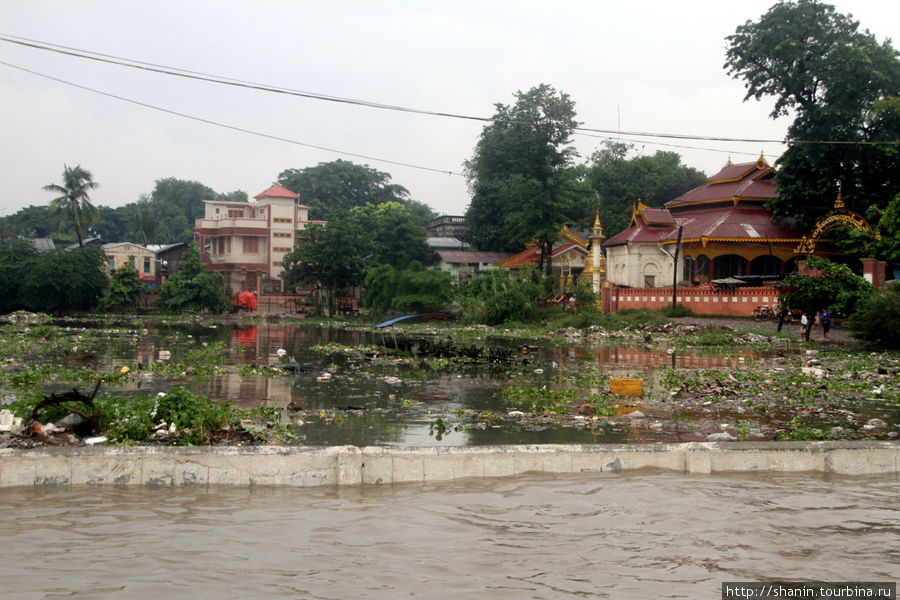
[(874, 271)]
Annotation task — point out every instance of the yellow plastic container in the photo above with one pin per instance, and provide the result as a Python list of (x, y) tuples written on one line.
[(626, 387)]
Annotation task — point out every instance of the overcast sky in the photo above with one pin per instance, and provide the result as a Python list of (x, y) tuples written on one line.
[(629, 66)]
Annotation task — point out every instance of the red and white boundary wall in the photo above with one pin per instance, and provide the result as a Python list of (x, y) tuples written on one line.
[(737, 302)]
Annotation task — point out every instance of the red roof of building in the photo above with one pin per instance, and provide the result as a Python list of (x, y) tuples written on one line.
[(727, 223), (529, 256), (745, 181), (658, 216), (532, 255), (729, 206), (277, 191)]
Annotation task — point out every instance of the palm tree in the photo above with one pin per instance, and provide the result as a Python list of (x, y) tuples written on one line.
[(74, 203)]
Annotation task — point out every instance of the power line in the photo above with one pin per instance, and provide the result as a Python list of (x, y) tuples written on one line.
[(227, 126), (222, 80)]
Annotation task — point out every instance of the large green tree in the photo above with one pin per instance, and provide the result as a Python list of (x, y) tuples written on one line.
[(840, 84), (334, 255), (831, 286), (618, 180), (331, 189), (179, 203), (520, 176), (395, 237), (73, 205)]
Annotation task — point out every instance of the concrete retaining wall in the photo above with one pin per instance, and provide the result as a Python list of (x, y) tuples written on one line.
[(342, 465)]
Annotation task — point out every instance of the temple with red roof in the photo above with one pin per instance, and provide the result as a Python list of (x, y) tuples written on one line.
[(726, 231), (568, 257)]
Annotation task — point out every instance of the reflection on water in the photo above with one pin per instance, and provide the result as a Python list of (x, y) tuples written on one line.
[(424, 395), (600, 535)]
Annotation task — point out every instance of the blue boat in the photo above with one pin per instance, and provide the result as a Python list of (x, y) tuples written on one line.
[(438, 316)]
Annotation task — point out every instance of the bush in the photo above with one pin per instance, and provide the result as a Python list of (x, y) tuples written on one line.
[(56, 281), (680, 310), (409, 290), (133, 419), (125, 291), (499, 298), (192, 288), (875, 320), (634, 319)]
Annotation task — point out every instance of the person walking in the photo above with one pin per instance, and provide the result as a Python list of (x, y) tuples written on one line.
[(804, 327), (825, 320)]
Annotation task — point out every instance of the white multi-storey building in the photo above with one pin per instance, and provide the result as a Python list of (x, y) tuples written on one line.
[(247, 241)]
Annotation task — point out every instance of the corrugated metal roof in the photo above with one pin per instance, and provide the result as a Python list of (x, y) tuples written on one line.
[(449, 243), (41, 244), (470, 257)]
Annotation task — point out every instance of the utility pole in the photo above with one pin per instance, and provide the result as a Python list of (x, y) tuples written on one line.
[(675, 271)]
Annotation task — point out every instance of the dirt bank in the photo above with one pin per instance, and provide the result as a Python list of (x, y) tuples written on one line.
[(838, 333)]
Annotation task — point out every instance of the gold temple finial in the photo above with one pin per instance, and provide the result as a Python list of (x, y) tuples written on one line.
[(729, 163), (839, 201)]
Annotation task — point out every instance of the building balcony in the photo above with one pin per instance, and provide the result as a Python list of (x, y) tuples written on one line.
[(231, 223), (242, 259)]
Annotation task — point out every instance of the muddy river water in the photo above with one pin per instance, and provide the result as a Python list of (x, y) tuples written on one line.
[(631, 535)]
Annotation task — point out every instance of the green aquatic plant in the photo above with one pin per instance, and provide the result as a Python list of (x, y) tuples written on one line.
[(803, 431), (537, 400)]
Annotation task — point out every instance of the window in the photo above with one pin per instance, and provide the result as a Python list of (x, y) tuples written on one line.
[(281, 220), (251, 245), (146, 265), (649, 280), (275, 263), (235, 213), (111, 264), (279, 234), (281, 249)]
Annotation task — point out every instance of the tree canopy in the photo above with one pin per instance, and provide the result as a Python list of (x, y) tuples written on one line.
[(333, 255), (331, 189), (521, 178), (394, 237), (841, 85), (619, 181), (165, 216), (833, 287), (414, 289), (58, 280)]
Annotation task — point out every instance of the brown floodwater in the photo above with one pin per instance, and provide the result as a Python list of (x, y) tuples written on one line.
[(600, 535)]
